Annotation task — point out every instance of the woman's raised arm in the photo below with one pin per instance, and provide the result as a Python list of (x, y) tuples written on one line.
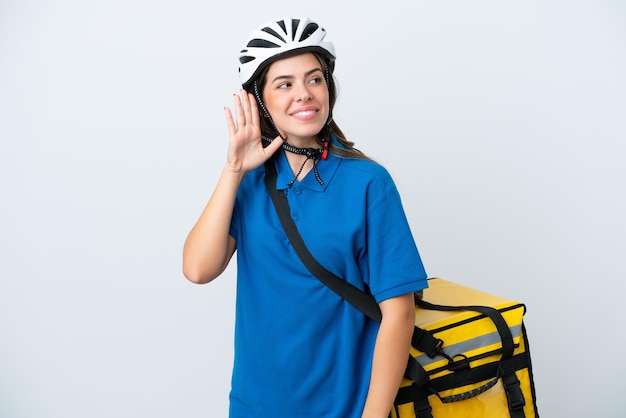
[(209, 247)]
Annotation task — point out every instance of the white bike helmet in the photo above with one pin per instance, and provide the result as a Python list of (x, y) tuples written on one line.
[(280, 39)]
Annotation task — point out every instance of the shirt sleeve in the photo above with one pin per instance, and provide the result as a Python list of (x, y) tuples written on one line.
[(392, 259)]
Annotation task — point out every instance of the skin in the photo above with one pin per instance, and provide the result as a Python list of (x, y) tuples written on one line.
[(296, 97)]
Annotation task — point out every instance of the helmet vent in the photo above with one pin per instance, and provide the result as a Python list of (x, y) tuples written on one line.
[(308, 31), (261, 43), (246, 58), (273, 33), (281, 23), (294, 27)]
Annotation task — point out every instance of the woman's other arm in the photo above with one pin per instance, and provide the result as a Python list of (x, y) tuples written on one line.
[(391, 353)]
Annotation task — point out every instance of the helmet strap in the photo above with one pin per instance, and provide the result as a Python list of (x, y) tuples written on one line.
[(267, 114), (327, 76)]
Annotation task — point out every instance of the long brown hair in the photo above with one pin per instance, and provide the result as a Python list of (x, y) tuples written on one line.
[(346, 148)]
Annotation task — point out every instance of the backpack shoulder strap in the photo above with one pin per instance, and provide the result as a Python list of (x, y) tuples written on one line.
[(361, 300)]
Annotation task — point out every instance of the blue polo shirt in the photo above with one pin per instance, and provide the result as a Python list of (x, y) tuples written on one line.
[(300, 350)]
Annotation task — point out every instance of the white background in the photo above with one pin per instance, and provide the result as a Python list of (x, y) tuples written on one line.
[(503, 124)]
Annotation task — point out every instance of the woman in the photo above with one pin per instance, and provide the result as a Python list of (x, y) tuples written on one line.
[(300, 349)]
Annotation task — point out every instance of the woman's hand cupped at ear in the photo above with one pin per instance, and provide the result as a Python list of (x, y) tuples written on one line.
[(245, 150)]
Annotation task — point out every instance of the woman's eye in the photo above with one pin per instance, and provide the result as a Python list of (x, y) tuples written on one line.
[(283, 85), (316, 80)]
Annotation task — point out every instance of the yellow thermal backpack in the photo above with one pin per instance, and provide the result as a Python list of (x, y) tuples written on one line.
[(469, 357)]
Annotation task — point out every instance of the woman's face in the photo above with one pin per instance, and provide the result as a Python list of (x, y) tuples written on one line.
[(296, 96)]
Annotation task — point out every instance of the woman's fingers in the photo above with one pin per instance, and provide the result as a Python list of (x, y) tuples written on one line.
[(254, 110), (247, 114), (245, 106), (274, 146), (241, 118), (232, 128), (245, 101)]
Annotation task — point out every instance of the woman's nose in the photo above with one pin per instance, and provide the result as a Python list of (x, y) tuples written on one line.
[(304, 94)]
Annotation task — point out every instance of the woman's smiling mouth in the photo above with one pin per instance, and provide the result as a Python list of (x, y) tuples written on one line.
[(305, 114)]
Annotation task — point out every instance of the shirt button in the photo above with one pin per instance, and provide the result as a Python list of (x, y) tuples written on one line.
[(294, 216), (298, 190)]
